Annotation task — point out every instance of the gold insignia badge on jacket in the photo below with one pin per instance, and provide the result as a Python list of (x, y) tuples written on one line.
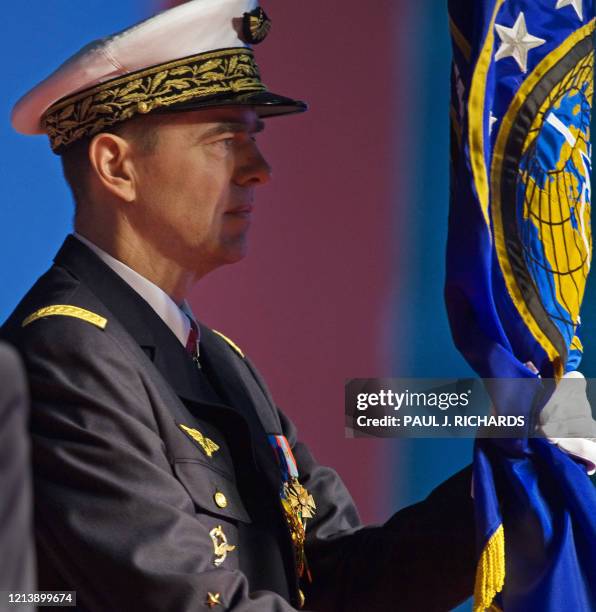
[(221, 548), (213, 599), (209, 446)]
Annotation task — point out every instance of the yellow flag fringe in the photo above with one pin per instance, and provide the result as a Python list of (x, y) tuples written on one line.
[(490, 572)]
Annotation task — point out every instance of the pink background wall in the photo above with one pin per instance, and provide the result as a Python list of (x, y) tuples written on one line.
[(310, 303)]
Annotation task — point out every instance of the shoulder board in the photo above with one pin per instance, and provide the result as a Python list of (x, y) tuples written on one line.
[(230, 342), (67, 311)]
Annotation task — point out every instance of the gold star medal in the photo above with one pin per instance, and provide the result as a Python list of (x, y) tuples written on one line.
[(298, 504), (301, 501)]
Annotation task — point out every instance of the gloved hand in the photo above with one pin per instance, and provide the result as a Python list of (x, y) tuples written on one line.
[(566, 420)]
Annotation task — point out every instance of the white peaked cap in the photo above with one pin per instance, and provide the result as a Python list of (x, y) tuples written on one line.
[(194, 55)]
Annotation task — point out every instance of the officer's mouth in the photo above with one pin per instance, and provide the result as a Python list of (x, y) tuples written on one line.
[(243, 212)]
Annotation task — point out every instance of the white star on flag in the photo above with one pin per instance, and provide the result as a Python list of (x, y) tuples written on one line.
[(576, 4), (516, 42)]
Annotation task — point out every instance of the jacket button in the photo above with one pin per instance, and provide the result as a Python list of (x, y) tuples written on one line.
[(220, 499)]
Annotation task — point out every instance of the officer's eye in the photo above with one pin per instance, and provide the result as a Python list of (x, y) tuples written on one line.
[(222, 146), (229, 141)]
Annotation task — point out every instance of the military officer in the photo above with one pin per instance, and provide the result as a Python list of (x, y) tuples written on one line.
[(165, 476)]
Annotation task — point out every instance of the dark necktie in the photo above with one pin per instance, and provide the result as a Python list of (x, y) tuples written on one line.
[(192, 343)]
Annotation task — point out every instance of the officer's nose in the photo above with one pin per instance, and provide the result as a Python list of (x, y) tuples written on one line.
[(254, 169)]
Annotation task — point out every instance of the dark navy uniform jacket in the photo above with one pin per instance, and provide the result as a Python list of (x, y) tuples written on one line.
[(125, 499), (17, 560)]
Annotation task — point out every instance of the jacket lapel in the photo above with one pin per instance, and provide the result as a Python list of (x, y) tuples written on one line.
[(238, 388)]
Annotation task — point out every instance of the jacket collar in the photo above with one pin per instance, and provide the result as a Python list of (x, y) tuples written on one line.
[(169, 312), (135, 315)]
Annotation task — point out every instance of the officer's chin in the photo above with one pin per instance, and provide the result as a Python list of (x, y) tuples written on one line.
[(235, 250)]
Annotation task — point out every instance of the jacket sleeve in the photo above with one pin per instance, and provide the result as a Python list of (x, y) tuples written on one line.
[(422, 558), (17, 570), (111, 517)]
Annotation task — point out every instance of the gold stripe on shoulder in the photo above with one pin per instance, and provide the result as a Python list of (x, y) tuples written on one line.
[(230, 342), (67, 311)]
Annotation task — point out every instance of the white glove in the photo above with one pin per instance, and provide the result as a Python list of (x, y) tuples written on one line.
[(567, 421)]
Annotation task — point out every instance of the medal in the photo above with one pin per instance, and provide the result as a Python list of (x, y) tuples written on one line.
[(298, 504)]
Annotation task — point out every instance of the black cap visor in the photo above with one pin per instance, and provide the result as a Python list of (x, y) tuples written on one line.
[(265, 103)]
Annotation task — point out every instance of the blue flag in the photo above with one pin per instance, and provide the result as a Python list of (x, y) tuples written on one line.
[(518, 256)]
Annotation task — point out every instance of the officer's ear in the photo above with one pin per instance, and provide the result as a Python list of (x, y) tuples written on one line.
[(112, 165)]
